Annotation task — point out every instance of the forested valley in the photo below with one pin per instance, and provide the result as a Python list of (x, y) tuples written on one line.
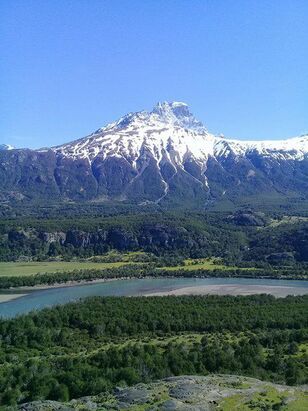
[(94, 345), (91, 346)]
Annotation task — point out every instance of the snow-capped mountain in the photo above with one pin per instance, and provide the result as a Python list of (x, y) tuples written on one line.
[(170, 131), (171, 127), (165, 155)]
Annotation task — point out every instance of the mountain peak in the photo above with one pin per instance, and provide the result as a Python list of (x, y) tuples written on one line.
[(178, 113), (6, 147), (173, 113), (177, 108)]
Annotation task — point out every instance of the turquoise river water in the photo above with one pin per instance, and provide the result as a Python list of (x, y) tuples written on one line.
[(38, 299)]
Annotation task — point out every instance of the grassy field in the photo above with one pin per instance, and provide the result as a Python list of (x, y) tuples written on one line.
[(12, 269), (201, 264), (30, 268)]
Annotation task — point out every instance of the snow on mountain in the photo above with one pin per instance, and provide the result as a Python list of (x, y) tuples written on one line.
[(171, 131), (163, 156), (6, 147), (170, 127), (295, 148)]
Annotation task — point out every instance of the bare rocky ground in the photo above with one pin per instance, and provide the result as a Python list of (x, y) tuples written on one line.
[(189, 393)]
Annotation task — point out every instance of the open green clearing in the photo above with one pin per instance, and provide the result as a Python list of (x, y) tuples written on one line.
[(14, 269), (203, 264)]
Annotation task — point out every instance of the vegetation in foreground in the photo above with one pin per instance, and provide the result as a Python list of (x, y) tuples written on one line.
[(91, 346)]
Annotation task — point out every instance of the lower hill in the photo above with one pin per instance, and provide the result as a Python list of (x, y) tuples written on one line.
[(185, 393)]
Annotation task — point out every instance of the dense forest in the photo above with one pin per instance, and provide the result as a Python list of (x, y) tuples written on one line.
[(94, 345), (243, 236), (84, 237)]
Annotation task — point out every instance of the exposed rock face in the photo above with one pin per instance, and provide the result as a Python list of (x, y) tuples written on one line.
[(17, 235), (55, 237), (164, 156), (218, 392), (248, 218), (122, 240), (148, 236)]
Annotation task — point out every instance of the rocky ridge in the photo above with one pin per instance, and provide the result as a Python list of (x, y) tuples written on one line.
[(189, 393)]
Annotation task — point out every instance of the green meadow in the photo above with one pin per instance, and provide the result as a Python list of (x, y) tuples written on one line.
[(14, 269), (202, 264)]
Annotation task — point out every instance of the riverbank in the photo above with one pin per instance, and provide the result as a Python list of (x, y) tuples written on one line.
[(9, 297), (25, 290), (226, 289), (95, 280), (176, 286)]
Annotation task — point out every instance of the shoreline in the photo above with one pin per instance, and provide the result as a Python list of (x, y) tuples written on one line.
[(9, 295), (4, 298), (218, 289), (72, 283), (234, 289)]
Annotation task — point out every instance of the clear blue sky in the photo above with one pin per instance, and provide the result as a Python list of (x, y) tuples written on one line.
[(69, 67)]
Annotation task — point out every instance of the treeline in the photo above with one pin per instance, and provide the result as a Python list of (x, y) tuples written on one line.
[(127, 271), (59, 210), (141, 271), (92, 346), (130, 316)]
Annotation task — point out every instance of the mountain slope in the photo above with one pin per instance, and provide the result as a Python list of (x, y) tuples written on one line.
[(163, 156)]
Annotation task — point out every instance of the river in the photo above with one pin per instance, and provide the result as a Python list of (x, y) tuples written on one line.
[(38, 299)]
